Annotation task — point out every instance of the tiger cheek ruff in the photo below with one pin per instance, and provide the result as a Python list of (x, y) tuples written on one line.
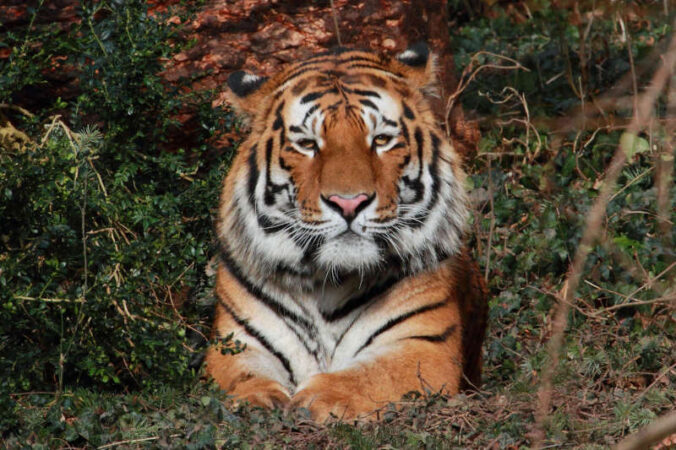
[(342, 264)]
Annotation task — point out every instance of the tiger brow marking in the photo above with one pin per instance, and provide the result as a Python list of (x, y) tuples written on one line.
[(368, 103), (300, 87), (251, 331), (366, 93), (399, 319), (315, 95), (389, 122), (436, 337)]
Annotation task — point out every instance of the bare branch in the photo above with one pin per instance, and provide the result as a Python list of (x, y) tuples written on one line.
[(652, 433), (591, 232)]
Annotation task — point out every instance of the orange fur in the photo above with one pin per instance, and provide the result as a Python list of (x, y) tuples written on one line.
[(432, 320)]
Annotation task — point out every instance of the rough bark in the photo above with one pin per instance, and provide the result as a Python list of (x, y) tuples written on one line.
[(261, 35)]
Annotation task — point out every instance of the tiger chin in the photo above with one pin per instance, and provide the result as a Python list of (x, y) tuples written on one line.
[(342, 264)]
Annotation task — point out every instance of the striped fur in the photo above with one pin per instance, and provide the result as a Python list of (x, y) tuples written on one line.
[(340, 231)]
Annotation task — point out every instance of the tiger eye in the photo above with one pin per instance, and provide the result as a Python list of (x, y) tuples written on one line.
[(381, 140), (308, 144)]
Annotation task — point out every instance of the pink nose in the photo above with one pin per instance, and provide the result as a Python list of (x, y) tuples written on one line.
[(348, 205)]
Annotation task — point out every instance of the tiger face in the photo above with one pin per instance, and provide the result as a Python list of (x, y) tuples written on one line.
[(345, 171)]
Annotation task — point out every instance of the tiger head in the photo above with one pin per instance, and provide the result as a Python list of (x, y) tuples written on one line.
[(345, 170)]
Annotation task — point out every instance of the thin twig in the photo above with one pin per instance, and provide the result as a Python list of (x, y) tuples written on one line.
[(134, 441), (23, 111), (591, 232), (335, 23), (664, 172), (492, 225), (49, 299), (470, 73), (652, 433)]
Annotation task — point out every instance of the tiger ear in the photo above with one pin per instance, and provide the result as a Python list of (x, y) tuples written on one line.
[(245, 91), (419, 65)]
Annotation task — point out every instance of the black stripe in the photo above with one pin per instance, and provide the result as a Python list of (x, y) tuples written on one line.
[(334, 106), (408, 113), (397, 320), (419, 220), (268, 225), (415, 185), (389, 122), (296, 74), (284, 269), (332, 57), (404, 131), (282, 162), (358, 301), (268, 160), (279, 121), (264, 222), (270, 188), (302, 68), (368, 103), (371, 66), (257, 293), (436, 337), (309, 113), (419, 143), (307, 98), (404, 163), (251, 331), (367, 93), (295, 129), (253, 176)]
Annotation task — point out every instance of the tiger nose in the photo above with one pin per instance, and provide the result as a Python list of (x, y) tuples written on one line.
[(349, 206)]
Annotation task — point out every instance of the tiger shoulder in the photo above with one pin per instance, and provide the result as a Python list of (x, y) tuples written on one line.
[(343, 266)]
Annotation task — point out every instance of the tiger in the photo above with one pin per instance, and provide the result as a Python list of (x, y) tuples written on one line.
[(342, 264)]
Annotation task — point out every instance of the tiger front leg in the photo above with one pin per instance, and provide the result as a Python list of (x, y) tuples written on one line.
[(359, 391), (231, 374), (250, 375)]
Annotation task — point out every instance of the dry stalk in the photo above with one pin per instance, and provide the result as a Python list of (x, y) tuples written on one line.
[(470, 73), (335, 22), (509, 93), (664, 172), (491, 193), (651, 434), (591, 232)]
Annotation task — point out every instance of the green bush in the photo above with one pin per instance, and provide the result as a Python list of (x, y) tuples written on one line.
[(106, 230)]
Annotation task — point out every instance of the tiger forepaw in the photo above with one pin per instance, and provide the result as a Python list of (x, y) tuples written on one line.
[(328, 398), (264, 393)]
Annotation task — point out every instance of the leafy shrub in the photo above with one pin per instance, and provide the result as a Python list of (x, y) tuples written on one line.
[(106, 231)]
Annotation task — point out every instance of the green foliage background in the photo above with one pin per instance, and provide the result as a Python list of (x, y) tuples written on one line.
[(102, 230), (106, 233)]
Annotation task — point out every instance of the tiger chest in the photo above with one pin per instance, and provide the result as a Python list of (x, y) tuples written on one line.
[(314, 332)]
